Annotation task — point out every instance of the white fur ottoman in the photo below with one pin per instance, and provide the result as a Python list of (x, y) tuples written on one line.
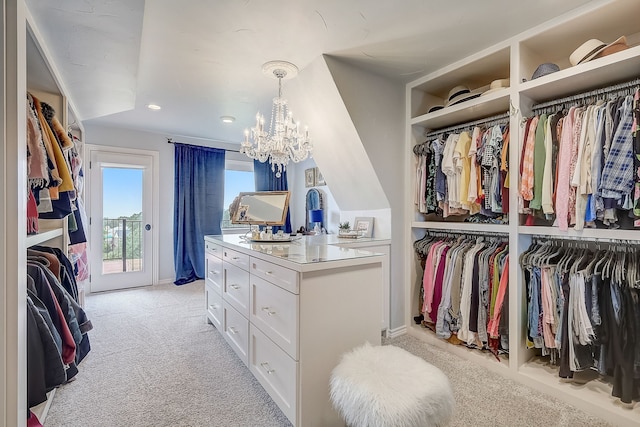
[(387, 386)]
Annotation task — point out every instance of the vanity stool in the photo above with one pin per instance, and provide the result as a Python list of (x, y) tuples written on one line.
[(386, 386)]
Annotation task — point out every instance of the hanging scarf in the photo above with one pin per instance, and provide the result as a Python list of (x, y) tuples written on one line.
[(55, 153), (37, 171)]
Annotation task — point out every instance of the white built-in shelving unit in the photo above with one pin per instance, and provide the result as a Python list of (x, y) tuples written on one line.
[(43, 81), (517, 58)]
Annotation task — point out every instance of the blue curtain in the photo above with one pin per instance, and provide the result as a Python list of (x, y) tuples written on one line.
[(266, 180), (198, 207)]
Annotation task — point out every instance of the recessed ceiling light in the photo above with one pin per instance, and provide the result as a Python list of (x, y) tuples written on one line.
[(228, 119), (153, 107)]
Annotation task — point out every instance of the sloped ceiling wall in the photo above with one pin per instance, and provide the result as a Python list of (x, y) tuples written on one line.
[(338, 150)]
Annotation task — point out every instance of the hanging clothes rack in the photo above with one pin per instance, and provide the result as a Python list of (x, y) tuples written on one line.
[(487, 122), (619, 89), (570, 239), (448, 233)]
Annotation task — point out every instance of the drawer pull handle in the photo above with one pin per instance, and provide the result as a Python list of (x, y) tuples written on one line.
[(233, 330), (214, 272), (268, 272), (265, 365), (235, 258), (213, 306), (269, 313), (234, 286)]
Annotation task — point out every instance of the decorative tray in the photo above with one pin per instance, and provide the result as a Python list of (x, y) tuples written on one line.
[(271, 240)]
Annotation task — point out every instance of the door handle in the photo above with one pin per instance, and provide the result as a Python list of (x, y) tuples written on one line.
[(147, 227)]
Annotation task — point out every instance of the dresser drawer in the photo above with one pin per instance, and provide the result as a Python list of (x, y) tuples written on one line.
[(214, 306), (236, 331), (281, 276), (236, 258), (214, 272), (213, 249), (236, 288), (276, 371), (275, 312)]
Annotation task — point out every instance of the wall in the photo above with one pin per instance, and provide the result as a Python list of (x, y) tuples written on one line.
[(358, 133), (295, 174), (128, 138), (376, 108)]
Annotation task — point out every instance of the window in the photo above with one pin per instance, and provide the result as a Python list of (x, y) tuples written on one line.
[(238, 177)]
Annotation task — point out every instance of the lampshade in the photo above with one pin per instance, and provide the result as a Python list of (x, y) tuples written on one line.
[(315, 215)]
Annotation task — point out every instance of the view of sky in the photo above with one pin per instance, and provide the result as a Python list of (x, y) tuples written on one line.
[(122, 192), (236, 182), (122, 189)]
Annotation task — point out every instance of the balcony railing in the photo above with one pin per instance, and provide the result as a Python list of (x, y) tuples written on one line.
[(122, 245)]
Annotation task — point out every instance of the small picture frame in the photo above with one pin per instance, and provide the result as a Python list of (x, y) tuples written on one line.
[(319, 178), (364, 225), (309, 177)]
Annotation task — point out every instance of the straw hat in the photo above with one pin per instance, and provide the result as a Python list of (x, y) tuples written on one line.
[(496, 85), (595, 48), (462, 93)]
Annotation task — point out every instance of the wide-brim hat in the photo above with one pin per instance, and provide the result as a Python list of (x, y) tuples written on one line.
[(466, 96), (435, 108), (457, 91), (497, 85), (544, 69), (595, 48)]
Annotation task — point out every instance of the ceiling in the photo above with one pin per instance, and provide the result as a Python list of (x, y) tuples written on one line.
[(201, 59)]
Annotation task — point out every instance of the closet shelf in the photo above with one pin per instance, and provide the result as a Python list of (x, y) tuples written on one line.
[(593, 393), (481, 358), (587, 233), (461, 226), (598, 73), (483, 106), (36, 239)]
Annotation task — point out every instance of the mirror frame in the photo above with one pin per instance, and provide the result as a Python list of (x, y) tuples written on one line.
[(234, 217)]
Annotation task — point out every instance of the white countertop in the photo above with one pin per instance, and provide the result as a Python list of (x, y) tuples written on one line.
[(304, 253)]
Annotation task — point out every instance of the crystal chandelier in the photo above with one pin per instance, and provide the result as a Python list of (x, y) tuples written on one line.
[(283, 140)]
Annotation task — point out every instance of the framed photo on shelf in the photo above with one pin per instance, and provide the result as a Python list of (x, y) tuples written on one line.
[(364, 225), (319, 178), (310, 177)]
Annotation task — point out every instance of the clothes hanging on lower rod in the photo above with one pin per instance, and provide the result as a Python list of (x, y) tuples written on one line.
[(580, 167), (583, 310), (464, 174), (57, 327), (463, 290)]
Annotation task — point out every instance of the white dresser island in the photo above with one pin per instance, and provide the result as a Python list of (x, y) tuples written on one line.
[(290, 310)]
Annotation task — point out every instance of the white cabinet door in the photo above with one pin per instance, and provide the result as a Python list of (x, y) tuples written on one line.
[(236, 288), (276, 371), (214, 306), (275, 312), (236, 332)]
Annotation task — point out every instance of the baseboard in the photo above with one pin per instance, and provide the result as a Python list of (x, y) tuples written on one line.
[(165, 281), (399, 331)]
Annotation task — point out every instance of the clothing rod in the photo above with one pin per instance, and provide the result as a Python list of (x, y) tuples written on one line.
[(585, 239), (171, 141), (496, 118), (469, 232), (594, 92)]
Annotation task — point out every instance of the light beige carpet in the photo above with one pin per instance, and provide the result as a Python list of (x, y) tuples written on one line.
[(156, 362)]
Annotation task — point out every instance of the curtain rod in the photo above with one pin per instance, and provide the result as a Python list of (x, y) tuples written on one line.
[(595, 92), (489, 121), (170, 141)]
